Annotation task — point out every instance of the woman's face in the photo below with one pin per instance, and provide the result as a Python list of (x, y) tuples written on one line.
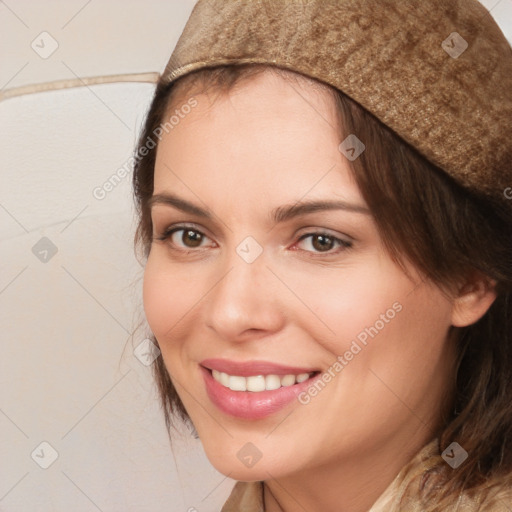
[(250, 283)]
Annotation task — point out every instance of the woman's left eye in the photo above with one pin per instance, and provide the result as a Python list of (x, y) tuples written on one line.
[(191, 239), (323, 242)]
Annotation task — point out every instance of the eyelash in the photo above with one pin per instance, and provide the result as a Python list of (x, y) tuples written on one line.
[(343, 244)]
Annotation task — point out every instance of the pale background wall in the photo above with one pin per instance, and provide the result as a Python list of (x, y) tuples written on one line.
[(68, 374)]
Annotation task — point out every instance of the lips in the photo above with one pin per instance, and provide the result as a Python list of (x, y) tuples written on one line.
[(253, 405)]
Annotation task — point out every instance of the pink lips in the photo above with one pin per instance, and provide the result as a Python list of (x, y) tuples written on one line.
[(246, 404)]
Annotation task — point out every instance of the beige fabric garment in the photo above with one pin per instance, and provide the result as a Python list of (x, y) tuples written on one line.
[(248, 496)]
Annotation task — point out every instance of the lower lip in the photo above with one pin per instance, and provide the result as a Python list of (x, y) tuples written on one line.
[(252, 405)]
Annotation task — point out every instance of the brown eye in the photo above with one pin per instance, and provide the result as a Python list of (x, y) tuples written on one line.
[(183, 238), (191, 238), (323, 243)]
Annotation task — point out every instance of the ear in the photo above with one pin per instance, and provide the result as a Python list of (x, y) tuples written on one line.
[(474, 298)]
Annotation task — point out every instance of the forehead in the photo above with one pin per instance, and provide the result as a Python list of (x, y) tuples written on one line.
[(269, 135)]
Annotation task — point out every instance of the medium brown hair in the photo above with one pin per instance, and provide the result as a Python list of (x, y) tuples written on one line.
[(426, 218)]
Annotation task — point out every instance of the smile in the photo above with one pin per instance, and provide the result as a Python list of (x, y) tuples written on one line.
[(253, 390), (258, 383)]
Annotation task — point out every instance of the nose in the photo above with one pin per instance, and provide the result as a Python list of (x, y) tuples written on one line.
[(245, 301)]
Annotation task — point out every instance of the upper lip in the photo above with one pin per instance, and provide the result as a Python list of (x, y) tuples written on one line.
[(251, 368)]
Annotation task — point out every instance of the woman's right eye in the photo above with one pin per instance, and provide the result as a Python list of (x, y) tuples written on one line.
[(183, 238)]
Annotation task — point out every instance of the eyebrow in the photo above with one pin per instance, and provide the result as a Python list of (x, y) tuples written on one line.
[(279, 214)]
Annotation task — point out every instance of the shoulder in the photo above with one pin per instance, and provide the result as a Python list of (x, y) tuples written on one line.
[(496, 497), (407, 490)]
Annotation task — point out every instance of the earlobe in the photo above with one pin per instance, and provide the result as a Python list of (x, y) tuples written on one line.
[(474, 299)]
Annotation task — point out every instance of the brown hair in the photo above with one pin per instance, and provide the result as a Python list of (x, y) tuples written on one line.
[(446, 231)]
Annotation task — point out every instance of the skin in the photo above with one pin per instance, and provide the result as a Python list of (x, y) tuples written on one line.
[(269, 143)]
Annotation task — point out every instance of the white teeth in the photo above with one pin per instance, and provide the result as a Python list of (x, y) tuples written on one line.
[(272, 382), (288, 380), (224, 379), (237, 383), (258, 383)]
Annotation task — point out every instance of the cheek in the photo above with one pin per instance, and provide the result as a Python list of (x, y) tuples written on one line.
[(346, 302), (375, 315)]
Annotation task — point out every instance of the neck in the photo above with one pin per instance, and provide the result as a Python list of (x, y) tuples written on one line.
[(349, 486)]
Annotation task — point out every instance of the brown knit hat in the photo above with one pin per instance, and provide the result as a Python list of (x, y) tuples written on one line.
[(437, 72)]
